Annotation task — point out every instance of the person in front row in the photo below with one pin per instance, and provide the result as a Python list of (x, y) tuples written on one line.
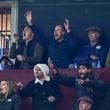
[(44, 91), (85, 82), (9, 100), (85, 103)]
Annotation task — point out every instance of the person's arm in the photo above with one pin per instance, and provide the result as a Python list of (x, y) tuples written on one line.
[(95, 84), (103, 55), (13, 49), (26, 91), (56, 94), (58, 78)]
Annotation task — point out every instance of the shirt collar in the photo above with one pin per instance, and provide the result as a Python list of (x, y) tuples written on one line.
[(42, 81), (39, 81)]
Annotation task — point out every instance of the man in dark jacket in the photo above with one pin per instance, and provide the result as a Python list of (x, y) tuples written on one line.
[(29, 52), (39, 36), (85, 83), (62, 46)]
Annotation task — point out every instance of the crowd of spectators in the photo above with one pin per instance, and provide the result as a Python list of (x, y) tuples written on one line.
[(58, 51)]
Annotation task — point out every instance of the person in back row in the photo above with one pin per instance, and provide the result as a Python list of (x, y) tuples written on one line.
[(62, 46), (95, 52), (84, 103), (29, 51)]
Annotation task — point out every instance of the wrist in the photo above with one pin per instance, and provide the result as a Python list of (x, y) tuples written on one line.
[(30, 23), (68, 30)]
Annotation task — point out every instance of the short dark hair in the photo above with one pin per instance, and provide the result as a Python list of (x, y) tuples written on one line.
[(86, 64)]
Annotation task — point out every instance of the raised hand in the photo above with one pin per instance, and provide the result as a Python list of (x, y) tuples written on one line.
[(28, 16), (67, 25), (15, 38), (53, 70)]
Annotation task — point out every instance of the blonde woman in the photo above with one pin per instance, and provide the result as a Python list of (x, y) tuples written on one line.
[(8, 99)]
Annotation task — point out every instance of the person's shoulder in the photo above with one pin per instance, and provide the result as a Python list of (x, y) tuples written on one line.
[(31, 82)]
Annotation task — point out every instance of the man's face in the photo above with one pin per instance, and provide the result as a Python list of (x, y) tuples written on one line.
[(27, 33), (83, 105), (93, 36), (59, 32), (84, 70), (38, 73)]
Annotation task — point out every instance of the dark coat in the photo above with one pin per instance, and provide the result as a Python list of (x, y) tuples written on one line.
[(11, 103), (40, 93), (62, 53), (98, 50)]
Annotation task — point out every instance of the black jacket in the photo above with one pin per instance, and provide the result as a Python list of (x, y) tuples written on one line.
[(40, 93), (11, 103), (62, 53)]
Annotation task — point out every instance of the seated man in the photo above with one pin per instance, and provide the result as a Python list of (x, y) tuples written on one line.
[(29, 52), (62, 46), (94, 52)]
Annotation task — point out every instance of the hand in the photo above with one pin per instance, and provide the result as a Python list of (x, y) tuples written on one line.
[(67, 25), (28, 16), (51, 98), (50, 64), (80, 81), (21, 58), (51, 67), (19, 85), (15, 38), (93, 57)]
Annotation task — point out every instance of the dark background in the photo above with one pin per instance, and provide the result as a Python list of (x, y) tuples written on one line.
[(81, 14)]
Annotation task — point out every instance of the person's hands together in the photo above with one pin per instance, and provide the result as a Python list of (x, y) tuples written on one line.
[(21, 58), (51, 98), (80, 81), (93, 57)]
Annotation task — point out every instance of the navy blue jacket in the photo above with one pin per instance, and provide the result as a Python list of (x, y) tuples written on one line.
[(98, 50), (40, 93), (61, 53)]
